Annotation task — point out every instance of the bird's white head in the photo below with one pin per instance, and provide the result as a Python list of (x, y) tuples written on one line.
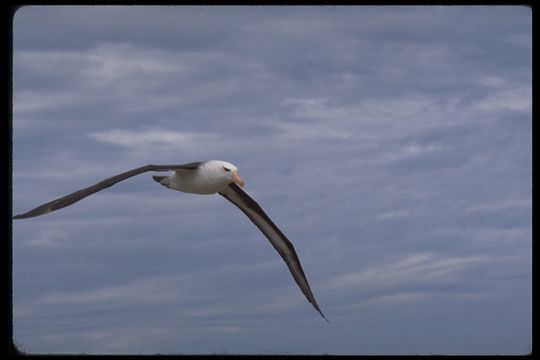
[(226, 170)]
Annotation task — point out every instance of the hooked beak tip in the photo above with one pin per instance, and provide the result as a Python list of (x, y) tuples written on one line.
[(237, 179)]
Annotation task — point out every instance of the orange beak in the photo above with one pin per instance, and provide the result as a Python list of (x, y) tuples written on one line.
[(236, 179)]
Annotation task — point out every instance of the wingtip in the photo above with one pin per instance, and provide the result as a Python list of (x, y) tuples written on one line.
[(324, 317), (23, 215), (316, 306), (42, 210)]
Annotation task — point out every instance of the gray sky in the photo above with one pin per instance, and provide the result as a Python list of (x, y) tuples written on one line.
[(391, 144)]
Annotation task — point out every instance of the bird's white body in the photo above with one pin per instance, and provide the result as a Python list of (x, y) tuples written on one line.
[(209, 178)]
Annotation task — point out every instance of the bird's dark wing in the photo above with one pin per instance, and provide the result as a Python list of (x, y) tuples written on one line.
[(81, 194), (284, 247)]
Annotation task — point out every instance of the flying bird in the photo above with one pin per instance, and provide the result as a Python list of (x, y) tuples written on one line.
[(205, 177)]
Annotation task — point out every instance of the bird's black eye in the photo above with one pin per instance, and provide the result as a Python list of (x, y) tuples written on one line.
[(228, 170)]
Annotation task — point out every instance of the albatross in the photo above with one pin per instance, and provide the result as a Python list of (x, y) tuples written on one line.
[(203, 177)]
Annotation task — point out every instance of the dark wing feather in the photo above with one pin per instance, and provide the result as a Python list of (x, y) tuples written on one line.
[(81, 194), (284, 247)]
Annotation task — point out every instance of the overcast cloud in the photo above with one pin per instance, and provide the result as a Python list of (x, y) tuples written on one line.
[(391, 144)]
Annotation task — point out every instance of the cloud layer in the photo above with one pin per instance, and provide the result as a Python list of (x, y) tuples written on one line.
[(391, 144)]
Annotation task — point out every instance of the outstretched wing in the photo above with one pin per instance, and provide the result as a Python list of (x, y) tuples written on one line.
[(81, 194), (284, 247)]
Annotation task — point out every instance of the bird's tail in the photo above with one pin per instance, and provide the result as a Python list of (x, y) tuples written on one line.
[(159, 179)]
